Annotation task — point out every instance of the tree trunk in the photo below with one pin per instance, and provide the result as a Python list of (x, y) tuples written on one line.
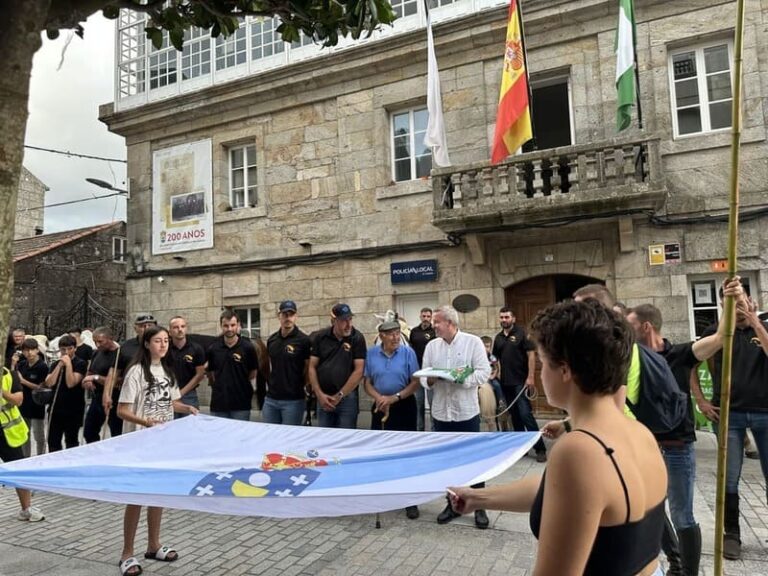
[(20, 26)]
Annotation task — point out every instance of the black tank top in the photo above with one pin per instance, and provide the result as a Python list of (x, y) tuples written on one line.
[(621, 550)]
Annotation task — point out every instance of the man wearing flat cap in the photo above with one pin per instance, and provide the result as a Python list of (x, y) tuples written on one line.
[(389, 380), (289, 355), (336, 362)]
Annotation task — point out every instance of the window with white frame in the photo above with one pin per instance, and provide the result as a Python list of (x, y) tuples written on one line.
[(196, 56), (265, 41), (404, 8), (439, 3), (250, 319), (706, 303), (411, 158), (162, 64), (303, 40), (231, 51), (700, 79), (243, 186), (119, 249), (131, 54)]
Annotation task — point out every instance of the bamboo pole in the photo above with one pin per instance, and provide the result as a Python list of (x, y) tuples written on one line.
[(730, 304)]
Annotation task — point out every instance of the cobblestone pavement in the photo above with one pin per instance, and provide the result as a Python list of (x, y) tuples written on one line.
[(83, 538)]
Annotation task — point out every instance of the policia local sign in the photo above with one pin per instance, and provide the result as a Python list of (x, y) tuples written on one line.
[(413, 271)]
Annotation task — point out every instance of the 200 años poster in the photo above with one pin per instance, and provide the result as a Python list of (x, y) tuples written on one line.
[(182, 198)]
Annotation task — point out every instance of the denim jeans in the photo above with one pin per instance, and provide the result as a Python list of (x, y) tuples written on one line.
[(681, 471), (345, 415), (189, 400), (737, 428), (522, 414), (244, 415), (283, 411)]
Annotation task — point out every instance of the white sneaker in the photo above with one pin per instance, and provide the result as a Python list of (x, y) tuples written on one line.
[(31, 514)]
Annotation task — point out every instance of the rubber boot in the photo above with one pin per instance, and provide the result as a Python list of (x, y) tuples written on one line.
[(671, 549), (690, 549), (732, 537)]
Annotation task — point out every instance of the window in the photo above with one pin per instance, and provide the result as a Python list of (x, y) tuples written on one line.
[(196, 56), (231, 51), (119, 249), (552, 121), (706, 303), (439, 3), (405, 7), (264, 40), (250, 320), (162, 64), (701, 88), (411, 158), (131, 53), (242, 177), (303, 40)]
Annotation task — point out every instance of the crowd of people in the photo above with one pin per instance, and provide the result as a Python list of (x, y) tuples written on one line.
[(605, 486)]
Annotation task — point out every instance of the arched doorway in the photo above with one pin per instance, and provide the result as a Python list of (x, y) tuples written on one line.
[(526, 298)]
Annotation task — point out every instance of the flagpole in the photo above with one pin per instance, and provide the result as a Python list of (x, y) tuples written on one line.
[(637, 70), (519, 8), (730, 304)]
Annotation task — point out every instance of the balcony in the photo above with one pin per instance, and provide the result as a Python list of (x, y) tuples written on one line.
[(547, 187)]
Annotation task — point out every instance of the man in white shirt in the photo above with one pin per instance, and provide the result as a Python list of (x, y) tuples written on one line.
[(455, 407)]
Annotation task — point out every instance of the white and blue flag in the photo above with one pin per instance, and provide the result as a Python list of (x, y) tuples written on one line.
[(249, 469)]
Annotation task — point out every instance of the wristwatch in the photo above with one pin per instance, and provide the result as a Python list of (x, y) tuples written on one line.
[(398, 396), (340, 394), (95, 377)]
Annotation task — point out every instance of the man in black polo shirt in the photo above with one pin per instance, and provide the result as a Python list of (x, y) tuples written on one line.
[(82, 350), (68, 407), (420, 336), (677, 446), (749, 409), (106, 361), (336, 364), (517, 358), (289, 354), (232, 368), (188, 363)]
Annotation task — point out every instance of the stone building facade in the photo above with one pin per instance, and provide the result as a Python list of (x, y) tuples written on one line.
[(30, 201), (338, 185), (70, 279)]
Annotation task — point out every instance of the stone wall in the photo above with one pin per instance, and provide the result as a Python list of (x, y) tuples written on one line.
[(29, 212)]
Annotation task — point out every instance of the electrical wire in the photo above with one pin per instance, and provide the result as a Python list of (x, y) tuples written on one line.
[(74, 154), (70, 202)]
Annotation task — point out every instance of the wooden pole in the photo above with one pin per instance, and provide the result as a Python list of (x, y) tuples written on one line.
[(730, 304)]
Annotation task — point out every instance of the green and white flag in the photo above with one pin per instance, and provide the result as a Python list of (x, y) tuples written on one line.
[(625, 63)]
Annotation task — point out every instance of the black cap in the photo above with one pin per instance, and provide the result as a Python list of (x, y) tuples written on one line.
[(287, 306), (341, 311), (145, 318)]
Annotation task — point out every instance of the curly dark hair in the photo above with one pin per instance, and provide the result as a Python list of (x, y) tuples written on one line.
[(593, 340)]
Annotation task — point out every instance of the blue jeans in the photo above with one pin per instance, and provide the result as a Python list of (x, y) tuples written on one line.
[(737, 429), (189, 400), (283, 411), (244, 415), (681, 471), (345, 415)]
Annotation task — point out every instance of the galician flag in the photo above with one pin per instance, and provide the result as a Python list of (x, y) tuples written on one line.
[(435, 135), (513, 119), (625, 64)]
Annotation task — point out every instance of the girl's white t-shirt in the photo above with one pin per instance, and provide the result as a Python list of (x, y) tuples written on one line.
[(152, 401)]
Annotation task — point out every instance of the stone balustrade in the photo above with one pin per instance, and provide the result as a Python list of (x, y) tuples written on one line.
[(602, 179)]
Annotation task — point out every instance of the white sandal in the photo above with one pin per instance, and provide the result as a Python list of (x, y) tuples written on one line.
[(127, 564), (162, 554)]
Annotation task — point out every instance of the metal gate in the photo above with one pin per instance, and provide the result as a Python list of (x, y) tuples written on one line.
[(87, 312)]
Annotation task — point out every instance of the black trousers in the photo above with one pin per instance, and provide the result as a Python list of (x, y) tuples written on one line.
[(66, 426), (95, 417), (402, 416)]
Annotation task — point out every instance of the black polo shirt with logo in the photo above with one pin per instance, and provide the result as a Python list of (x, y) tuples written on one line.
[(129, 349), (84, 352), (749, 375), (70, 402), (512, 351), (103, 361), (231, 388), (288, 357), (336, 358), (419, 339), (186, 361)]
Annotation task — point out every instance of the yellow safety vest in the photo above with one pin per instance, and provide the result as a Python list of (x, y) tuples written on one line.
[(14, 427)]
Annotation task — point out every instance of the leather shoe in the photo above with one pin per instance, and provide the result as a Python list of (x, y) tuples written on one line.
[(412, 512), (447, 515), (541, 456), (481, 519), (731, 547)]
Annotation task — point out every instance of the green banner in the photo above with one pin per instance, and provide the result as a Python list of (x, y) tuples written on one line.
[(705, 382)]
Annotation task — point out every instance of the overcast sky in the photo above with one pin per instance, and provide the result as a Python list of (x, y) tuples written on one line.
[(63, 115)]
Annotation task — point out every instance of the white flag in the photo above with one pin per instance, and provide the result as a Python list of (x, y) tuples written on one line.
[(435, 135)]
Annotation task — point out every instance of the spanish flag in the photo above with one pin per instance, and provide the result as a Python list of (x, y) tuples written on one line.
[(513, 119)]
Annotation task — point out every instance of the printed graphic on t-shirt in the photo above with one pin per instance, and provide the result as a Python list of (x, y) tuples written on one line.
[(157, 400)]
